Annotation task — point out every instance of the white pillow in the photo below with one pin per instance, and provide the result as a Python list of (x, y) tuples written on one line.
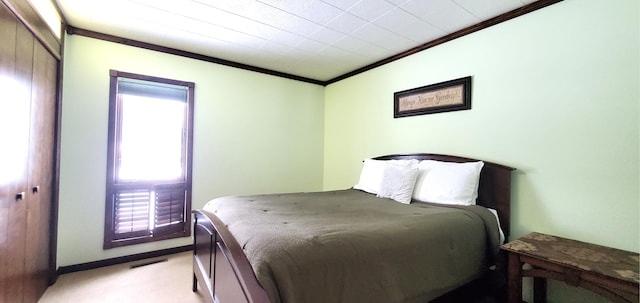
[(398, 181), (371, 174), (448, 182)]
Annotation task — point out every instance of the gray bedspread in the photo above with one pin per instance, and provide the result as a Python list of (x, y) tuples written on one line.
[(350, 246)]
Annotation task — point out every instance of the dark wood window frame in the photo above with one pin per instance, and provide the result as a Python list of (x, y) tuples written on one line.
[(170, 199)]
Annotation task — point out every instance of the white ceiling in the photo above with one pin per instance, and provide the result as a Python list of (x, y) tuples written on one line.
[(315, 39)]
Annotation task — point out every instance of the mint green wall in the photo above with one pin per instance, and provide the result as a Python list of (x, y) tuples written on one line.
[(555, 94), (253, 133)]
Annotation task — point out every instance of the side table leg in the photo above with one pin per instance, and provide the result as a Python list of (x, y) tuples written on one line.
[(514, 280), (539, 290)]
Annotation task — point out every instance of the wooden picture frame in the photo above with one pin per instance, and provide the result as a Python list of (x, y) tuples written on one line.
[(441, 97)]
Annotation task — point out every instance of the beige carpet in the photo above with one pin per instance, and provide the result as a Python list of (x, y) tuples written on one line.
[(168, 281)]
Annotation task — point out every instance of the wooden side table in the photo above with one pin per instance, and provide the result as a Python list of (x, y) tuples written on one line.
[(610, 272)]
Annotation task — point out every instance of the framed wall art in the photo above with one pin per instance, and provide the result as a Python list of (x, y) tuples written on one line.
[(441, 97)]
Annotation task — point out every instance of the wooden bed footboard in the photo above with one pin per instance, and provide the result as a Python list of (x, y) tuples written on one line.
[(218, 254)]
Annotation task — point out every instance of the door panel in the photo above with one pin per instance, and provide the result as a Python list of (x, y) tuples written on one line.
[(8, 186), (16, 89), (42, 135)]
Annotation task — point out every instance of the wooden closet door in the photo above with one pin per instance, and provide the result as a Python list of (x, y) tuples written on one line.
[(16, 54), (41, 165), (8, 185)]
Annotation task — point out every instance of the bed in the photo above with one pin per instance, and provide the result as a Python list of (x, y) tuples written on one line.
[(358, 244)]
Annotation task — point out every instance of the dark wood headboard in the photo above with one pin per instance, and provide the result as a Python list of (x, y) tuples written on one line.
[(494, 190)]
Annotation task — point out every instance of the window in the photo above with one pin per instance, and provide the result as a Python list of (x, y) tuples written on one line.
[(149, 159)]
